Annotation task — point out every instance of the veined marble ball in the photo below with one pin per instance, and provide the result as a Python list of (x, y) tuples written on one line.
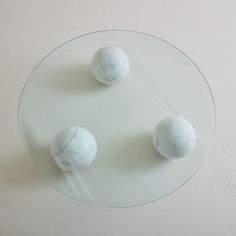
[(174, 137), (110, 65), (74, 148)]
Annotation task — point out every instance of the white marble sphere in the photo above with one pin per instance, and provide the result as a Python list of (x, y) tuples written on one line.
[(110, 65), (174, 137), (74, 148)]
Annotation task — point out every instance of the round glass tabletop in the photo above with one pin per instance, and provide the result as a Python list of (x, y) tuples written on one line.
[(162, 81)]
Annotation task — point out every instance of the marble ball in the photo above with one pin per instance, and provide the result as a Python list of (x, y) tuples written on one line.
[(74, 148), (174, 137), (110, 65)]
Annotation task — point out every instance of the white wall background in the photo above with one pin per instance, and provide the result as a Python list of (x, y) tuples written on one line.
[(203, 29)]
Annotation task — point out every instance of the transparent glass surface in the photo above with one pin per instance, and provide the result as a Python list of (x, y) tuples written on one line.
[(162, 81)]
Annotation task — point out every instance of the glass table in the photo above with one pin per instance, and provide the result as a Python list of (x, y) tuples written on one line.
[(162, 81)]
